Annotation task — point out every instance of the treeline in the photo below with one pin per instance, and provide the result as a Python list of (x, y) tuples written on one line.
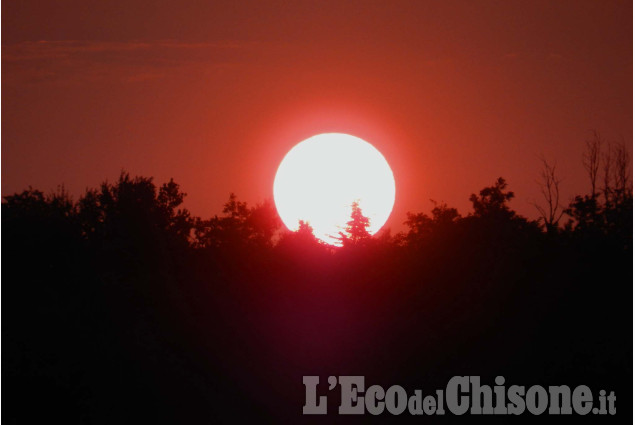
[(134, 209), (133, 213)]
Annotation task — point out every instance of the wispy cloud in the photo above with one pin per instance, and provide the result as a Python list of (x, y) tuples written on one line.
[(81, 61)]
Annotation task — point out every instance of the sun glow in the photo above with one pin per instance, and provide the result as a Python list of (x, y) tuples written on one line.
[(320, 178)]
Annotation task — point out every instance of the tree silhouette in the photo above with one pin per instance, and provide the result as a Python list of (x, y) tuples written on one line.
[(264, 223), (356, 231), (492, 201), (301, 243), (424, 229), (592, 216), (552, 212), (305, 229), (591, 160), (178, 220), (228, 230), (134, 213), (239, 227)]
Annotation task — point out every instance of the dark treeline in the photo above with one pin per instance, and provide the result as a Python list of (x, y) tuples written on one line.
[(121, 307)]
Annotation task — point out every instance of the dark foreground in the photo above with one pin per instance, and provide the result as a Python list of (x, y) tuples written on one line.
[(112, 316)]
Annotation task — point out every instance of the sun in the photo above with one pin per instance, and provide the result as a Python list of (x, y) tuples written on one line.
[(319, 179)]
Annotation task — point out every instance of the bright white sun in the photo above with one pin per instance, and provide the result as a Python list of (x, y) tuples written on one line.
[(320, 178)]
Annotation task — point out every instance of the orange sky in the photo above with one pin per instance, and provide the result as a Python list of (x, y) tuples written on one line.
[(454, 94)]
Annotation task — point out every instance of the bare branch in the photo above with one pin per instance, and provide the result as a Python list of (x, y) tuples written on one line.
[(549, 184), (591, 159), (607, 165), (621, 171)]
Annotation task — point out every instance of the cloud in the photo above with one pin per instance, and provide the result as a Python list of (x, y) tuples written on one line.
[(77, 62)]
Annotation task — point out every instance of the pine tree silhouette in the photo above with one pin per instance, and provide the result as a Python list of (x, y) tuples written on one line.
[(356, 228)]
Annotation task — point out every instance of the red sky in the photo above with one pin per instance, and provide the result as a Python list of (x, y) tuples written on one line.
[(453, 93)]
